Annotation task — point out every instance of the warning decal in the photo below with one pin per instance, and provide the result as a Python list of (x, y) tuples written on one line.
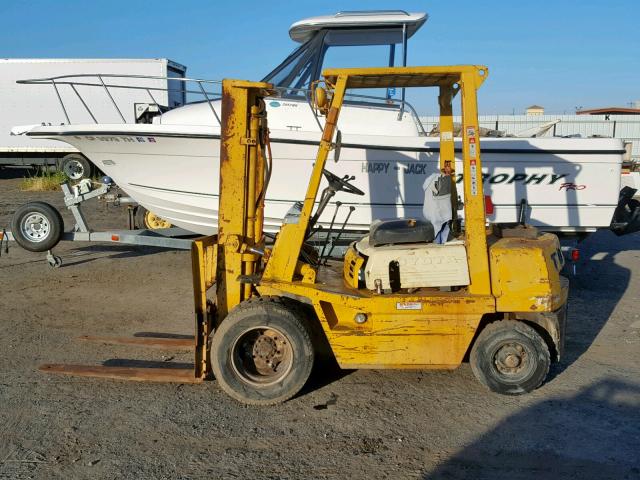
[(408, 306), (474, 176), (444, 136), (473, 153)]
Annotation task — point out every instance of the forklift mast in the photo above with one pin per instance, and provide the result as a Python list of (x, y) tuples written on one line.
[(228, 260), (242, 184)]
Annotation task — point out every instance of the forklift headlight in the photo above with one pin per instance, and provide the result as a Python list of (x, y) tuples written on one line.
[(360, 318)]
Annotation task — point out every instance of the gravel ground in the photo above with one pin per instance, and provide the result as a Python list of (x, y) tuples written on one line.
[(584, 423)]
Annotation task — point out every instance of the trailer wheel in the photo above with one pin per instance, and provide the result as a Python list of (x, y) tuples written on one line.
[(37, 226), (510, 357), (76, 167), (262, 352), (149, 220)]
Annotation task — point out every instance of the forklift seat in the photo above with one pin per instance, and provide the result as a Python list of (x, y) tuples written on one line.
[(402, 230)]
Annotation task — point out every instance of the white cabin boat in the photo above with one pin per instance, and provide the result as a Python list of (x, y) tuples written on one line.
[(170, 166)]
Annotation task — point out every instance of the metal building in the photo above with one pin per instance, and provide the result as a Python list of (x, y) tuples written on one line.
[(626, 127)]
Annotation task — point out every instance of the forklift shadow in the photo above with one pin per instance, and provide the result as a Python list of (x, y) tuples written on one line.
[(109, 251), (163, 335), (325, 372), (590, 435), (591, 305), (136, 363)]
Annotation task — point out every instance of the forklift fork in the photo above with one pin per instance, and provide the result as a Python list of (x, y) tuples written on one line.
[(204, 258)]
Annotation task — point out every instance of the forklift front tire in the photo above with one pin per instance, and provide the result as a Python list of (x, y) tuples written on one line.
[(262, 354), (510, 357)]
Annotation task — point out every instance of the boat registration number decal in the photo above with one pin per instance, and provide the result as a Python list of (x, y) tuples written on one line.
[(112, 139)]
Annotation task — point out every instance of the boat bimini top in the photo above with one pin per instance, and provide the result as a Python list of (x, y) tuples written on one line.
[(389, 20), (318, 34)]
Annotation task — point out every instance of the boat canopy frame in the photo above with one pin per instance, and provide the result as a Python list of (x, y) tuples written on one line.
[(307, 59)]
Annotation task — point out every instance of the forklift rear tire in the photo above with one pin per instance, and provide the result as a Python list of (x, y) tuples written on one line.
[(37, 226), (262, 352), (510, 357)]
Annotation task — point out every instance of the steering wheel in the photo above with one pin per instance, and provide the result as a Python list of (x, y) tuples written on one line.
[(341, 184)]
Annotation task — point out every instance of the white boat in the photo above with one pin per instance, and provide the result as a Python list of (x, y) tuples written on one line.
[(170, 166)]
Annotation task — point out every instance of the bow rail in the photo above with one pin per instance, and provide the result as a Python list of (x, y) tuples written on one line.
[(201, 88)]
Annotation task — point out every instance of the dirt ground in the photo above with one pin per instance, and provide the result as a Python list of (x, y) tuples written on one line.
[(584, 423)]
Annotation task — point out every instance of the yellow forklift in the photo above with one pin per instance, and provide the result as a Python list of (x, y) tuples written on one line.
[(492, 294)]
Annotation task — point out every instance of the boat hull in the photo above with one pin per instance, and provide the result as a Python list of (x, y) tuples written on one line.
[(570, 185)]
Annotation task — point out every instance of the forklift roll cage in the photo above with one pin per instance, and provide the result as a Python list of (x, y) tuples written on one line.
[(449, 80)]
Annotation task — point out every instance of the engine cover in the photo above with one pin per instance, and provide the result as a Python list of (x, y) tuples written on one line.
[(415, 265)]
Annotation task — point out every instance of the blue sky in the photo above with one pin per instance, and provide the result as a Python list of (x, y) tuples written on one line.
[(559, 54)]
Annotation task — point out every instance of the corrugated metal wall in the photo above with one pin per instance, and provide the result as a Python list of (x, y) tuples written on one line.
[(626, 127)]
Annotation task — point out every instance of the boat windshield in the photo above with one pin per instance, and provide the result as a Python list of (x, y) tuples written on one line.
[(304, 65), (299, 69)]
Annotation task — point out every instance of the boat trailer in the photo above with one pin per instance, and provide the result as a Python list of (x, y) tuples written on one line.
[(39, 227)]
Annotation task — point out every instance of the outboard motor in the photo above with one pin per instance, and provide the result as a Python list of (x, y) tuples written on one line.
[(626, 218)]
